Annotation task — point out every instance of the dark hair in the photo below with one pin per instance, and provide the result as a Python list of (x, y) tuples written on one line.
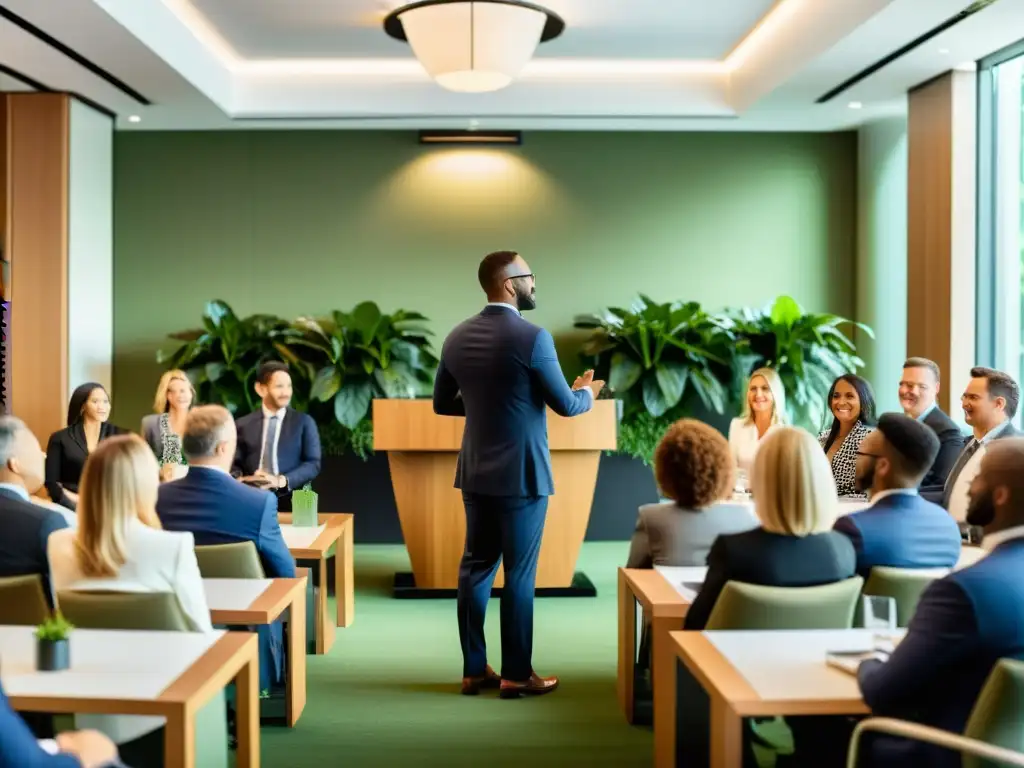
[(1000, 385), (915, 444), (867, 404), (693, 464), (268, 369), (924, 362), (492, 268), (79, 398)]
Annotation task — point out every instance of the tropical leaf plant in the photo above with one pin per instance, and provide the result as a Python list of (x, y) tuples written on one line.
[(364, 354)]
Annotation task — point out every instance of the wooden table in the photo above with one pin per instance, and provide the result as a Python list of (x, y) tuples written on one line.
[(762, 673), (248, 602), (141, 672), (311, 548), (665, 607)]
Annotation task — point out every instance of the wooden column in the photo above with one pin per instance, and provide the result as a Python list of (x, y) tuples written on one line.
[(941, 227), (37, 248)]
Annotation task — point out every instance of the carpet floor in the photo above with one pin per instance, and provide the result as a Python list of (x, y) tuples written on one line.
[(388, 692)]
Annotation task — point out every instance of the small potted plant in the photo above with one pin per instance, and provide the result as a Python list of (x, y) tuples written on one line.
[(53, 649)]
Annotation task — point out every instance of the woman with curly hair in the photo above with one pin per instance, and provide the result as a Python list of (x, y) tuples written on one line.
[(695, 469)]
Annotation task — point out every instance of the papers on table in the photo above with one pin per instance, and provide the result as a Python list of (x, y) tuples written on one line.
[(301, 537), (687, 580)]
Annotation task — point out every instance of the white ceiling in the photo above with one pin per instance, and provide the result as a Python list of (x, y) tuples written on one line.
[(621, 64)]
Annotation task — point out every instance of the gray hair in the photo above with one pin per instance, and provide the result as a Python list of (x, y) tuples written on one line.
[(206, 427), (10, 426)]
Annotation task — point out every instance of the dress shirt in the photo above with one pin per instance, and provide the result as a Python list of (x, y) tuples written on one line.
[(267, 415), (958, 500), (926, 411), (993, 540), (744, 442)]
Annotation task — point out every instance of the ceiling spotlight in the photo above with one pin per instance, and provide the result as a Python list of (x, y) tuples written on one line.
[(855, 105), (473, 46), (134, 119), (474, 124)]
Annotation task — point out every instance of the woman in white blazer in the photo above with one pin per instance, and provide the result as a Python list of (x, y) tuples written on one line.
[(119, 546), (764, 407)]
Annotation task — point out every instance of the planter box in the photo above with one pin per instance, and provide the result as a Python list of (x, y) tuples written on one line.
[(53, 655)]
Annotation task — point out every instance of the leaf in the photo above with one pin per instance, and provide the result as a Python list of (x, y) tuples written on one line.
[(214, 371), (654, 399), (624, 372), (710, 390), (785, 311), (396, 380), (326, 384), (365, 319), (217, 311), (352, 402), (671, 377)]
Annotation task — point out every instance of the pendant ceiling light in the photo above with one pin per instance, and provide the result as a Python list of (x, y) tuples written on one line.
[(473, 45)]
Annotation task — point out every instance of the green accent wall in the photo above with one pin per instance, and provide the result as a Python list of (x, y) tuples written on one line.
[(302, 222)]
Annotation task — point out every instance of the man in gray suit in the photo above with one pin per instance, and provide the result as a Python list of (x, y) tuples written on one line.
[(500, 371)]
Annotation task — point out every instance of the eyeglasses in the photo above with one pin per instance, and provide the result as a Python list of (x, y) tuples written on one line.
[(872, 455), (517, 277)]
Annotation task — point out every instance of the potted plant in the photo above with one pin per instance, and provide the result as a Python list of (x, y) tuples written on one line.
[(53, 649)]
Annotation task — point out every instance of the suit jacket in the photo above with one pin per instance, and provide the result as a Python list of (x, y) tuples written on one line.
[(26, 528), (772, 559), (667, 534), (66, 453), (298, 447), (902, 531), (217, 509), (500, 371), (951, 442), (954, 473), (963, 624), (19, 747)]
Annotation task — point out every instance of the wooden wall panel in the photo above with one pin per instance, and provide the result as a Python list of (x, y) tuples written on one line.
[(38, 208)]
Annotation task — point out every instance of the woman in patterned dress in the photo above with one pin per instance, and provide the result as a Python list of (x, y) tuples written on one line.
[(853, 416), (163, 429)]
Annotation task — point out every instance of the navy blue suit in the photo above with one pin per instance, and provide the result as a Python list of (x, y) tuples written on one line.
[(500, 371), (902, 531), (26, 527), (963, 625), (217, 509), (18, 746), (298, 450)]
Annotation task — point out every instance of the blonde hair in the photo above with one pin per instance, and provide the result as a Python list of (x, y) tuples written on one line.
[(119, 483), (778, 396), (794, 491), (160, 401)]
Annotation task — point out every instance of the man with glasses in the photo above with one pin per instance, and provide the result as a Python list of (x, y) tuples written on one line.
[(500, 372), (899, 529), (919, 386)]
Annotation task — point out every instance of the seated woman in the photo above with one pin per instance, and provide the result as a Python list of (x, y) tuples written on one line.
[(163, 428), (763, 408), (795, 546), (694, 468), (852, 404), (119, 546), (68, 448)]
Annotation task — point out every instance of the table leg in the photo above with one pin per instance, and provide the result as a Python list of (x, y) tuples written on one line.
[(296, 650), (663, 677), (247, 714), (726, 735), (344, 582), (627, 647), (180, 740), (324, 625)]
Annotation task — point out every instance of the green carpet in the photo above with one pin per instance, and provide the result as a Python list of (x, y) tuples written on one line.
[(388, 692)]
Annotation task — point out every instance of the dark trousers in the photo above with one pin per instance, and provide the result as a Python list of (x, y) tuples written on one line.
[(499, 528)]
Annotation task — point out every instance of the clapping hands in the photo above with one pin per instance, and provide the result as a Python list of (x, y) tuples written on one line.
[(587, 380)]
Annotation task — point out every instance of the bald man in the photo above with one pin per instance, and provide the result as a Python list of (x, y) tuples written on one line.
[(963, 625)]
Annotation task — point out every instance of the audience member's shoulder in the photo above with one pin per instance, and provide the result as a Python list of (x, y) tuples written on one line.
[(252, 495), (252, 416)]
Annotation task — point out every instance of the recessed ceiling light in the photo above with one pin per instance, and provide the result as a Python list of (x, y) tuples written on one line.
[(134, 119), (855, 105), (474, 124), (943, 51)]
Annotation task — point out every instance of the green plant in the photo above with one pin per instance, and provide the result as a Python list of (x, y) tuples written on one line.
[(639, 436), (337, 439), (658, 358), (222, 357), (807, 350), (54, 628), (364, 354)]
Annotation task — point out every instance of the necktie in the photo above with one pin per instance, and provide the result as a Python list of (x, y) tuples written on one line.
[(267, 465), (961, 462)]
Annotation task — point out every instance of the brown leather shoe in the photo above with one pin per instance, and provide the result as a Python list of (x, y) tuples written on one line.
[(471, 686), (535, 686)]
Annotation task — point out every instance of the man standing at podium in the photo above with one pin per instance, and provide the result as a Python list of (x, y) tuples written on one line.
[(500, 371)]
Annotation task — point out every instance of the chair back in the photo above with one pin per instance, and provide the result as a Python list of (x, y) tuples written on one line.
[(230, 561), (999, 711), (755, 606), (23, 601), (904, 585), (123, 610)]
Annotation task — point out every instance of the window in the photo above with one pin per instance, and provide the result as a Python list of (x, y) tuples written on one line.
[(1000, 327)]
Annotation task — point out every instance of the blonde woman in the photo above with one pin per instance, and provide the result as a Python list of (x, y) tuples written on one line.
[(764, 407), (163, 428), (795, 546)]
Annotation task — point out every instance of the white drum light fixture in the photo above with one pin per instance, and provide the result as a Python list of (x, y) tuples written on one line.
[(473, 46)]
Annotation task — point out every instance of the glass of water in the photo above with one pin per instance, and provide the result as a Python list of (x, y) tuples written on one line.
[(878, 613)]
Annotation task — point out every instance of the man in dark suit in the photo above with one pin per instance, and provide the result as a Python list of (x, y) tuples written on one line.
[(899, 529), (217, 509), (278, 446), (963, 625), (500, 371), (919, 387), (25, 526)]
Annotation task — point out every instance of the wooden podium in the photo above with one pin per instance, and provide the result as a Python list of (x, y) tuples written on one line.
[(423, 449)]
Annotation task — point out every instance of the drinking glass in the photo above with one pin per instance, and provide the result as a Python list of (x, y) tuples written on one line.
[(878, 613)]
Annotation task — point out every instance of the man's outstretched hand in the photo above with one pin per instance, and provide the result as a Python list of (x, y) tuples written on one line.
[(587, 380)]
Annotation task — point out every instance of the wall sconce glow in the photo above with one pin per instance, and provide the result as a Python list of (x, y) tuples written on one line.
[(855, 105), (762, 33), (134, 119), (473, 46)]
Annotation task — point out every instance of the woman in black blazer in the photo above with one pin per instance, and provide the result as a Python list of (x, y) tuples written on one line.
[(70, 447), (795, 546)]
